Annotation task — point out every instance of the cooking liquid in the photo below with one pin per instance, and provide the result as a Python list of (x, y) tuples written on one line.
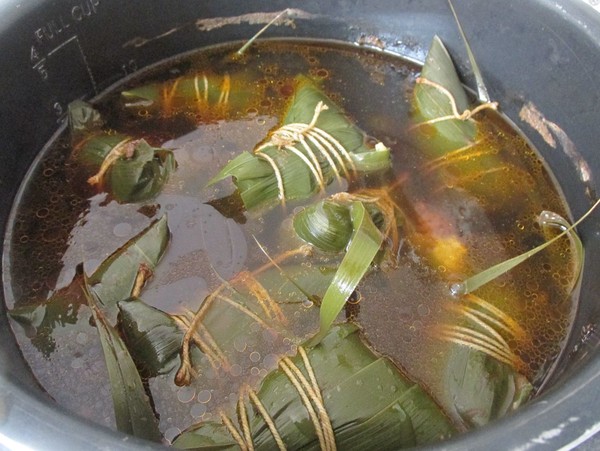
[(59, 221)]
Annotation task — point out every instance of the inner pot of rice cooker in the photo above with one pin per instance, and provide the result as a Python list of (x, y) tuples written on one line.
[(540, 52)]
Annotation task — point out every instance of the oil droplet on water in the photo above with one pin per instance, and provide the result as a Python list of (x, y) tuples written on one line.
[(423, 310), (122, 230), (240, 344), (198, 410), (81, 338), (77, 363), (307, 303), (171, 433), (254, 356), (204, 396), (236, 370), (186, 394), (270, 361)]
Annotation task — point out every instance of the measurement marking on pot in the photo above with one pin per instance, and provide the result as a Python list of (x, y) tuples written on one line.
[(75, 39)]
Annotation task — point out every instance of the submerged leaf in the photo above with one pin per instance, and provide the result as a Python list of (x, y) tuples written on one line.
[(230, 315), (478, 389), (153, 337), (337, 394), (133, 411), (316, 145), (112, 282), (208, 94), (114, 279)]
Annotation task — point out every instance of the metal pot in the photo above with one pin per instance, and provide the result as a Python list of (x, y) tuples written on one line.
[(540, 52)]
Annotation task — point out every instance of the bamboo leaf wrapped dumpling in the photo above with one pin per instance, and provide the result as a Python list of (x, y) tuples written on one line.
[(315, 145), (207, 94), (337, 394), (129, 169)]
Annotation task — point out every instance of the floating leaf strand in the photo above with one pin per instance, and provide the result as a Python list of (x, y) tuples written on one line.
[(487, 275), (549, 218)]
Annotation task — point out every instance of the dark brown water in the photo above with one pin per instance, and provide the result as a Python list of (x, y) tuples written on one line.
[(466, 216)]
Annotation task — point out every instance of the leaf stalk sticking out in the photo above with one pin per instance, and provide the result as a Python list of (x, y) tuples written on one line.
[(481, 88), (124, 149), (245, 47)]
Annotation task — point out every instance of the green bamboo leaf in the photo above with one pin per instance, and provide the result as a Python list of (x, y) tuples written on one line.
[(133, 411), (298, 283), (326, 225), (244, 166), (152, 336), (487, 275), (315, 145), (83, 118), (40, 320), (332, 120), (364, 245), (377, 159), (184, 89), (115, 277), (93, 150), (257, 184), (129, 170), (112, 281), (142, 176), (364, 397), (432, 103)]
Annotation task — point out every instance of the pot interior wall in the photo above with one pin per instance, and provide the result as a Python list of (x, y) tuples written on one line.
[(55, 52)]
